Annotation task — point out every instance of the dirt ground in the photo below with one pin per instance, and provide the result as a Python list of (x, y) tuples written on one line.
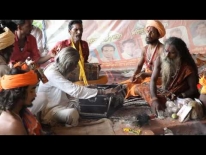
[(124, 118)]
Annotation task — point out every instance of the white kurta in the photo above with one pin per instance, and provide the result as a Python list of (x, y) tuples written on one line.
[(37, 33), (55, 94)]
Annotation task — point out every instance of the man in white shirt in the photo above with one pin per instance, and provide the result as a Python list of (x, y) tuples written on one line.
[(37, 33), (58, 98)]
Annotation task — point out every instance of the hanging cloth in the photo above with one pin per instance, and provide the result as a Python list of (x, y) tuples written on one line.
[(81, 65)]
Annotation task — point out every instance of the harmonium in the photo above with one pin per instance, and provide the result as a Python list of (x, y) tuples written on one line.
[(102, 106), (91, 72)]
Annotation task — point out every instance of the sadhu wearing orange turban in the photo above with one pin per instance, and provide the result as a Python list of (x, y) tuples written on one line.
[(18, 80), (158, 25), (13, 101), (6, 49), (154, 30)]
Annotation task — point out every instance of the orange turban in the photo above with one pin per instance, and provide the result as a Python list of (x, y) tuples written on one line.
[(158, 25), (6, 38), (18, 80), (23, 66)]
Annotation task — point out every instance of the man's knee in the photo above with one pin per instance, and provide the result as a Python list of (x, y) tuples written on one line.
[(72, 117)]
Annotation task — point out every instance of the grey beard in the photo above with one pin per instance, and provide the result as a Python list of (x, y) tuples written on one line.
[(151, 42), (169, 68)]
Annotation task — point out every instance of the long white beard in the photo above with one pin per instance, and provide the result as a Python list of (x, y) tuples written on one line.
[(169, 68)]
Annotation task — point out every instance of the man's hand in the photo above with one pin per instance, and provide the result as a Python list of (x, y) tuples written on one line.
[(109, 91), (92, 86), (172, 96), (155, 107), (136, 77), (52, 55), (133, 79), (143, 75), (140, 76), (29, 62), (113, 91)]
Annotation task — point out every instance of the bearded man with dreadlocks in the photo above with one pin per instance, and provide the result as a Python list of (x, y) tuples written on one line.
[(178, 72)]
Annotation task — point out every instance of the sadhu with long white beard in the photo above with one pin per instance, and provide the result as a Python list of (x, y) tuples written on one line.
[(179, 76)]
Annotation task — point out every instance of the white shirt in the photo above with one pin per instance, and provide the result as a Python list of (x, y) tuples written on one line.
[(55, 91), (37, 33)]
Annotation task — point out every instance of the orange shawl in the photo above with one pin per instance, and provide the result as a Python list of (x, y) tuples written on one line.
[(31, 123), (177, 85)]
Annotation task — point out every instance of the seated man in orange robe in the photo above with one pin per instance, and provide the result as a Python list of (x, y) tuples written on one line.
[(154, 31), (178, 72)]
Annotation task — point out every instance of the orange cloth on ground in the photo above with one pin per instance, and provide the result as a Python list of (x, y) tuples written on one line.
[(18, 80), (158, 25), (131, 86), (148, 69), (177, 86), (31, 123), (144, 91), (202, 81)]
